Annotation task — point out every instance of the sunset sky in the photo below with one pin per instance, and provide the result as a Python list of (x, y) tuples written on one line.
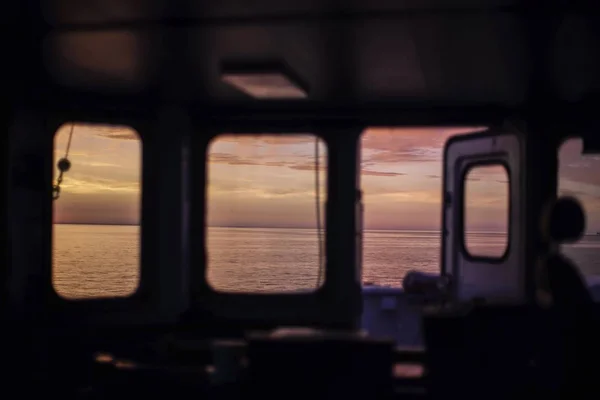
[(270, 181)]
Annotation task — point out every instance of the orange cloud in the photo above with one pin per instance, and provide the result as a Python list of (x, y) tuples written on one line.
[(116, 134), (396, 145), (267, 138), (232, 159)]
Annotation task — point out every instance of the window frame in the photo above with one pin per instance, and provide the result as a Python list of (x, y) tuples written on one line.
[(299, 308), (146, 296)]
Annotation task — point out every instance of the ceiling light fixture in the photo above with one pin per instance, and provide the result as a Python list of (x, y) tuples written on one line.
[(264, 82)]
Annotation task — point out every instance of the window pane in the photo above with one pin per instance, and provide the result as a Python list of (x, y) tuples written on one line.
[(486, 213), (264, 213), (96, 240), (401, 180)]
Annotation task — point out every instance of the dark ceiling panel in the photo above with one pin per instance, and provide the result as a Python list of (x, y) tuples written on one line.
[(111, 60), (257, 8), (264, 8), (59, 12), (387, 60), (442, 57), (427, 4), (109, 11), (576, 58), (472, 58)]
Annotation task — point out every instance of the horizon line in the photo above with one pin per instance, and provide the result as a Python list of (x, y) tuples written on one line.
[(282, 227), (590, 233)]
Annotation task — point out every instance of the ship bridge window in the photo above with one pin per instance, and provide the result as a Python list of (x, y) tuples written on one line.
[(401, 181), (266, 212), (96, 216), (486, 211), (579, 177)]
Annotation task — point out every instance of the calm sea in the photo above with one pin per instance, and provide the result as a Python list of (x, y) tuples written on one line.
[(93, 260)]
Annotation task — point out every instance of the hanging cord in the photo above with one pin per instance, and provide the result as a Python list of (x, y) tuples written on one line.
[(63, 166), (318, 212)]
